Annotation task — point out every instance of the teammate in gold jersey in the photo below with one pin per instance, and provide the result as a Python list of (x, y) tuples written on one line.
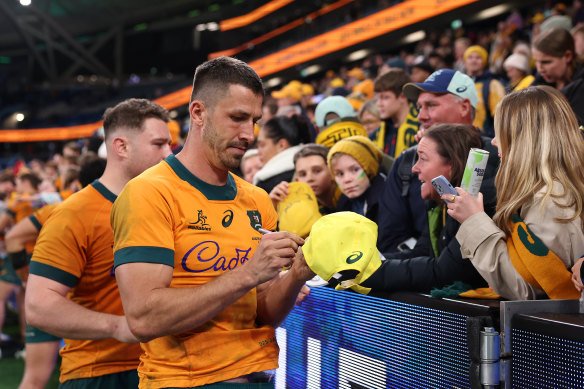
[(41, 348), (71, 290), (199, 283)]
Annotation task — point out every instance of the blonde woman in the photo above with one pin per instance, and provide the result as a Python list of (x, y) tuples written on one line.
[(537, 232)]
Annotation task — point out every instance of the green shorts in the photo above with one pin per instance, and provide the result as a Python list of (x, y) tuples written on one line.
[(260, 380), (34, 335), (122, 380), (7, 272)]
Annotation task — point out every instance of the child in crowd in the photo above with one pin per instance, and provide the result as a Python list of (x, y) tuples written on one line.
[(310, 167), (354, 163), (399, 116)]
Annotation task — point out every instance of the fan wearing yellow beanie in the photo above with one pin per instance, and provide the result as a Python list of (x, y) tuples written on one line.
[(489, 89), (354, 163)]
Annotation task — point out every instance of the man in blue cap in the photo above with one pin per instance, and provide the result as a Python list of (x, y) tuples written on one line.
[(446, 96)]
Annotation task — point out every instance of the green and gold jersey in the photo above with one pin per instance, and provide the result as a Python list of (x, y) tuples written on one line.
[(74, 248), (40, 216), (21, 207), (168, 216)]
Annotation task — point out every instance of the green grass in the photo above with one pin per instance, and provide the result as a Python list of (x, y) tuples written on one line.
[(11, 369)]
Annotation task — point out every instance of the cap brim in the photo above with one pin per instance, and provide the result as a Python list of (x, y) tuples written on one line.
[(278, 94), (413, 89)]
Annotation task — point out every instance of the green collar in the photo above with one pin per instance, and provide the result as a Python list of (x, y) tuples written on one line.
[(105, 192), (225, 192)]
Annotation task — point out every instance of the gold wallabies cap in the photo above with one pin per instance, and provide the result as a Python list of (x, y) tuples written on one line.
[(299, 210), (342, 250)]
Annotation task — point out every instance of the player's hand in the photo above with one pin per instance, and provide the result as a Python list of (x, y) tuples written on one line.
[(576, 279), (279, 193), (300, 269), (275, 251), (121, 331), (304, 291), (463, 206)]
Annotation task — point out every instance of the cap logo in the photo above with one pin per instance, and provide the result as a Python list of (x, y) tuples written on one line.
[(461, 89), (432, 77), (354, 257)]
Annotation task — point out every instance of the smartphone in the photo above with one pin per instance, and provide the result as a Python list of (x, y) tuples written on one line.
[(442, 186)]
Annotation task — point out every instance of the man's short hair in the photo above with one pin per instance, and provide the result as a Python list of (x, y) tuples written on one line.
[(213, 78), (311, 149), (131, 114), (393, 81), (31, 178)]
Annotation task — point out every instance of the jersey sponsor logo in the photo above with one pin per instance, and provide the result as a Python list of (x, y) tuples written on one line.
[(201, 223), (255, 219), (228, 219), (354, 257), (205, 257)]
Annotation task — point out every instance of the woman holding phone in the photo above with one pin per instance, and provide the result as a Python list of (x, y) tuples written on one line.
[(537, 233), (436, 261)]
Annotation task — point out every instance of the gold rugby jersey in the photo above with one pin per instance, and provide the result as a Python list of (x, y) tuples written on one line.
[(74, 248), (167, 215)]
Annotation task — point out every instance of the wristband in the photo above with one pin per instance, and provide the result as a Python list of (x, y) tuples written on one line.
[(19, 259)]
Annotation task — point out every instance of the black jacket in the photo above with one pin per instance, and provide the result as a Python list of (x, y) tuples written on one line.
[(269, 183), (418, 269), (574, 92), (401, 216)]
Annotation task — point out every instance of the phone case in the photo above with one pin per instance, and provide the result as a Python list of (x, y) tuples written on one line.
[(442, 186)]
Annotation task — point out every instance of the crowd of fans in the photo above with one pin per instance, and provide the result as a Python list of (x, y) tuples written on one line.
[(391, 104), (371, 138)]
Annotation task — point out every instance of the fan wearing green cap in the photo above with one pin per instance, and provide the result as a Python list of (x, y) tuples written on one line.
[(354, 163)]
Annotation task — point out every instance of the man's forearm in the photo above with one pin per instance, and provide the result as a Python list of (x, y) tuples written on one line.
[(62, 317), (276, 298), (157, 311)]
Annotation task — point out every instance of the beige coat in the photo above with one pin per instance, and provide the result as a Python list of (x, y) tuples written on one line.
[(485, 245)]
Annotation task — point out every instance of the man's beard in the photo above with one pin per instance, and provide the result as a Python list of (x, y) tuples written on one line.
[(227, 160)]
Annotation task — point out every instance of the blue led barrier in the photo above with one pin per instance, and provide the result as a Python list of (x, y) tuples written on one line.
[(544, 361), (339, 338)]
